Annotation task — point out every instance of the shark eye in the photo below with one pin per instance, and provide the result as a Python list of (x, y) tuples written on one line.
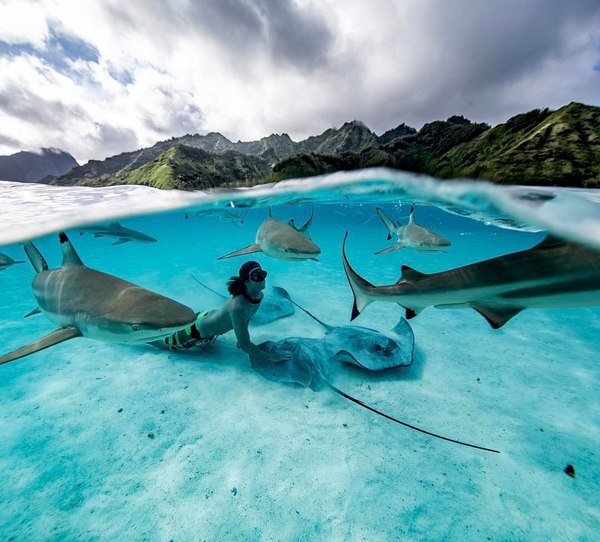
[(379, 348), (135, 327)]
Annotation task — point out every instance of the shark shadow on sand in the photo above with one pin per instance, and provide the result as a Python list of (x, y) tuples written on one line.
[(272, 307), (84, 302)]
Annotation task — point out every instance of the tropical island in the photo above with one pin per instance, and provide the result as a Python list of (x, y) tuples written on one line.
[(540, 147)]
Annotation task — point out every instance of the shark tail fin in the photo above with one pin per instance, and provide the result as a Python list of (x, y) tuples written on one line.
[(358, 285), (35, 257), (70, 256), (246, 250), (396, 420), (389, 223), (306, 228), (57, 336)]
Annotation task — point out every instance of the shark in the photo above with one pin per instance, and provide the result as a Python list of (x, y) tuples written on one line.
[(282, 241), (364, 347), (307, 366), (84, 302), (6, 261), (118, 231), (411, 235), (272, 308), (552, 274)]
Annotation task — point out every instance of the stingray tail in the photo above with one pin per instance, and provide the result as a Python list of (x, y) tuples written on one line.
[(364, 405)]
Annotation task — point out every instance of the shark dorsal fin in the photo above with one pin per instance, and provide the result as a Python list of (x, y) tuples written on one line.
[(410, 274), (70, 256), (411, 217)]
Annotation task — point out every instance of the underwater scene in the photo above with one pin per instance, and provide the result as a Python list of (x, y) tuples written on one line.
[(432, 370)]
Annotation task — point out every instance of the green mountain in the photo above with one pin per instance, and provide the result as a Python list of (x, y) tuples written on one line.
[(186, 168), (540, 147)]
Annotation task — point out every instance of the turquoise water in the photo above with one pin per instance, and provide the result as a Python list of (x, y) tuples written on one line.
[(106, 441)]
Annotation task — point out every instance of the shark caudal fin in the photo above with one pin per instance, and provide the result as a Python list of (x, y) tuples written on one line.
[(389, 223), (246, 250), (358, 285)]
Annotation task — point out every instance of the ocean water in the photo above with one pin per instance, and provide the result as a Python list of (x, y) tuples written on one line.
[(107, 441)]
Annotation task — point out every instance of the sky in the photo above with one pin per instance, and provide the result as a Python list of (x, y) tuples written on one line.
[(97, 78)]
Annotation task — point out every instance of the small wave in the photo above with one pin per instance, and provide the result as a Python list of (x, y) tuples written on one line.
[(32, 210)]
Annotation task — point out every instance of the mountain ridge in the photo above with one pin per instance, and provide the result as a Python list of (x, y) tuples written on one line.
[(540, 147), (36, 167)]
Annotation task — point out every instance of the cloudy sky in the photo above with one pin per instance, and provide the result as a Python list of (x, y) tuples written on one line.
[(99, 77)]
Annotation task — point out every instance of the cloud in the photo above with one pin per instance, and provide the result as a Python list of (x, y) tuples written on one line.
[(107, 77)]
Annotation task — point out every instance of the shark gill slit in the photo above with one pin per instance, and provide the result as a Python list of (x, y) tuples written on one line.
[(364, 405)]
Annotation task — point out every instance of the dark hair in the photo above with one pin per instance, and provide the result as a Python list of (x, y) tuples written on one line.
[(236, 286), (247, 268)]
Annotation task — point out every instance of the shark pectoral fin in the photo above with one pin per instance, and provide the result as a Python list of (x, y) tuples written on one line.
[(314, 259), (497, 316), (121, 241), (247, 250), (58, 336), (395, 246), (32, 312)]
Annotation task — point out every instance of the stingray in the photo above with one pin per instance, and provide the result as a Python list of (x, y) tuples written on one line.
[(309, 366), (362, 346), (272, 307)]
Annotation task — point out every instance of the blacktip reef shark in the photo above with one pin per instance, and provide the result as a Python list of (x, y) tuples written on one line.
[(362, 346), (282, 241), (308, 367), (84, 302), (6, 261), (118, 231), (552, 274), (412, 235), (272, 307)]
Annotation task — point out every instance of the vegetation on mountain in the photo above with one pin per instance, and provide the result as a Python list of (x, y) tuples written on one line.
[(540, 147)]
